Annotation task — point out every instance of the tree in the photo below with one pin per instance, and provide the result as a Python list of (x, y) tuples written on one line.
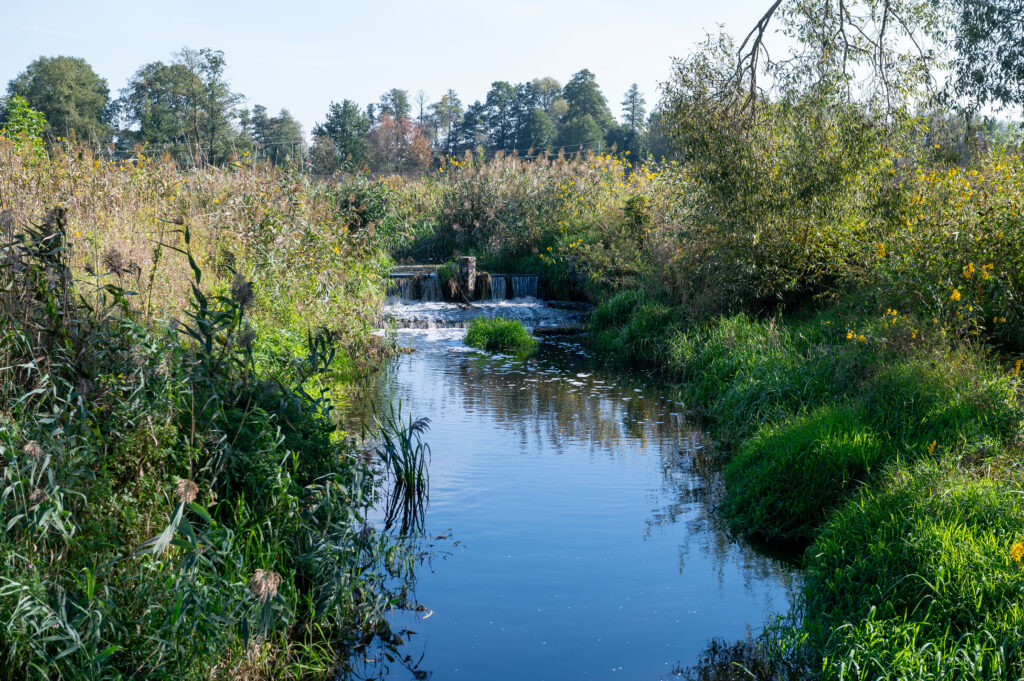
[(546, 91), (215, 100), (585, 99), (539, 132), (633, 111), (628, 143), (473, 131), (394, 103), (581, 133), (156, 100), (74, 100), (324, 158), (397, 146), (879, 51), (989, 44), (447, 116), (502, 118), (630, 138), (186, 107), (279, 138), (347, 128), (421, 108)]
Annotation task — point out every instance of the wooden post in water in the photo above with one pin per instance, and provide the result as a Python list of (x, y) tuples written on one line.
[(467, 275)]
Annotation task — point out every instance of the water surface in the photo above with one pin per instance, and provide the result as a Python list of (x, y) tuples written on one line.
[(576, 510)]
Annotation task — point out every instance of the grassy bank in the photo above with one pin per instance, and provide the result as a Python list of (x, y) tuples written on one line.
[(179, 499)]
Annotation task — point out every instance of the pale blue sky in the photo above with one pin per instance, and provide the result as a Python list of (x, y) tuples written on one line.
[(303, 54)]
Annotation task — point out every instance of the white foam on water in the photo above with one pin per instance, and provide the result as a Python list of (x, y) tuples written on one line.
[(433, 314)]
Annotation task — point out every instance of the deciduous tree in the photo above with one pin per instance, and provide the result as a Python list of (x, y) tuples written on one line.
[(74, 100)]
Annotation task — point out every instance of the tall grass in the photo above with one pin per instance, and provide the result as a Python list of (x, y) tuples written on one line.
[(171, 509)]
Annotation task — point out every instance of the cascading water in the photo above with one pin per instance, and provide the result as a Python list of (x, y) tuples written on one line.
[(414, 287), (524, 285), (440, 315), (430, 288), (499, 287)]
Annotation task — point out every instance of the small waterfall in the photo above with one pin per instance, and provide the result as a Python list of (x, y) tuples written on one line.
[(430, 287), (499, 287), (414, 287), (524, 285)]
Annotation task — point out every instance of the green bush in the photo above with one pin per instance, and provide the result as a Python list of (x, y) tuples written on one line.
[(447, 272), (500, 335)]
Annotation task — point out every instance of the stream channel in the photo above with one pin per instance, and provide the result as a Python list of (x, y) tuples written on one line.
[(575, 506)]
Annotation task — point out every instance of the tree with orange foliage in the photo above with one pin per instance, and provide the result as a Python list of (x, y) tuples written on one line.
[(397, 146)]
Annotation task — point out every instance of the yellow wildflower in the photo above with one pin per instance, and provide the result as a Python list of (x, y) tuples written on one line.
[(931, 447), (1017, 552), (955, 295)]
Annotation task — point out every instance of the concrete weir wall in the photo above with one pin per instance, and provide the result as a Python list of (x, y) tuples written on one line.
[(421, 283)]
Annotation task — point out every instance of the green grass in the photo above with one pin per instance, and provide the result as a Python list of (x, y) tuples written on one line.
[(501, 335), (914, 579)]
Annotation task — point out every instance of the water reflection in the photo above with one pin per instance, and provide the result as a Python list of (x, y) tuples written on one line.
[(582, 504)]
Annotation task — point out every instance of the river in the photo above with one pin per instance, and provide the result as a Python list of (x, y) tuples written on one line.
[(569, 531)]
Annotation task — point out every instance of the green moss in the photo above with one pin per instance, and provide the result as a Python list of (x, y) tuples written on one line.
[(501, 335)]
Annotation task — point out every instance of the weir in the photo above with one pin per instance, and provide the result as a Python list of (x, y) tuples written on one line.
[(423, 287), (421, 284)]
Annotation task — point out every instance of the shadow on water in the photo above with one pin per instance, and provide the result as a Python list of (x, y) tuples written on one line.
[(581, 502)]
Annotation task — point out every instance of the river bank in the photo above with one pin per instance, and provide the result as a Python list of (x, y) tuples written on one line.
[(892, 455)]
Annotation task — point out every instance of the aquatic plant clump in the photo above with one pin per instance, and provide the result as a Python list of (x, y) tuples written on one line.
[(501, 335)]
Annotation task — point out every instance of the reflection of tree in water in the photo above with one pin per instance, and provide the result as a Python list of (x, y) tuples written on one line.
[(559, 399), (692, 481)]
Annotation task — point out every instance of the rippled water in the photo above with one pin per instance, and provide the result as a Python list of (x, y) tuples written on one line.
[(575, 505)]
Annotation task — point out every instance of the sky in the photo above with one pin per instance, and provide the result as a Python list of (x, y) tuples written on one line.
[(304, 54)]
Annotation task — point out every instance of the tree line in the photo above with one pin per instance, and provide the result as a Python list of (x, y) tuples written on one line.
[(186, 107)]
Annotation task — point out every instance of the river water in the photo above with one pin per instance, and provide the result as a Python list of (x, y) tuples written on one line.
[(573, 507)]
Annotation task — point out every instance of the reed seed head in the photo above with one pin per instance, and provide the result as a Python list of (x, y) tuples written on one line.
[(186, 491), (33, 450), (264, 584)]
